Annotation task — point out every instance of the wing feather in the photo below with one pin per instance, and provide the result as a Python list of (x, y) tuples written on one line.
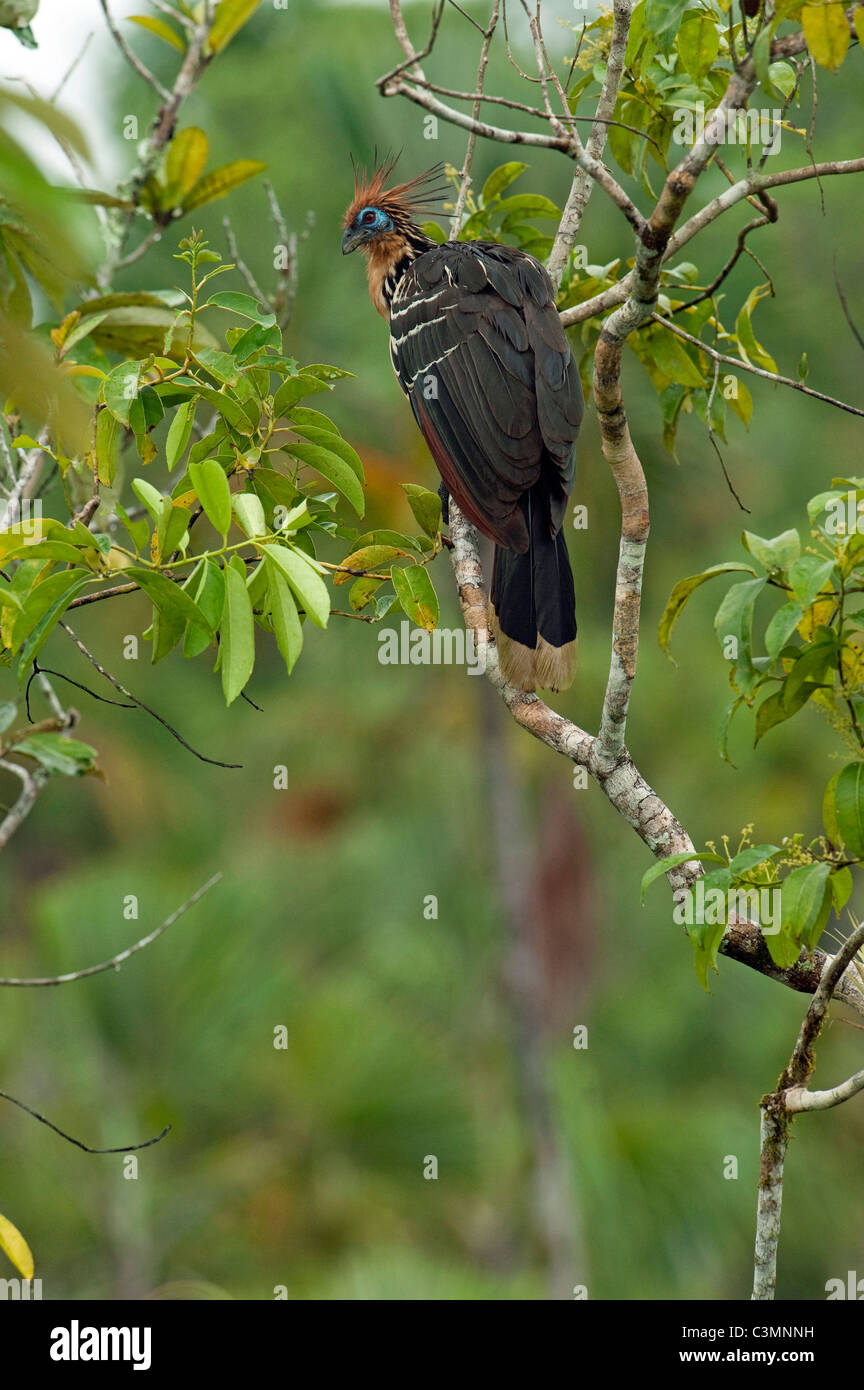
[(479, 350)]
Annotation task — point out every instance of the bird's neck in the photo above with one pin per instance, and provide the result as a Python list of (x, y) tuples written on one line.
[(388, 258)]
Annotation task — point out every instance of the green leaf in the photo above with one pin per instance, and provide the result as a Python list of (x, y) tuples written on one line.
[(293, 390), (206, 584), (209, 593), (333, 468), (500, 179), (8, 711), (841, 886), (416, 595), (662, 17), (56, 753), (179, 433), (426, 507), (808, 576), (237, 632), (385, 602), (814, 663), (107, 444), (221, 181), (751, 350), (174, 606), (242, 304), (159, 28), (250, 514), (682, 592), (210, 483), (734, 619), (328, 437), (783, 948), (782, 626), (741, 403), (843, 809), (222, 365), (13, 1244), (138, 529), (806, 902), (671, 357), (226, 403), (776, 554), (528, 205), (150, 496), (283, 611), (42, 610), (748, 859), (184, 164), (173, 525), (120, 388), (827, 33), (137, 330), (368, 557), (671, 861), (723, 740), (362, 591), (706, 936), (781, 76), (304, 580), (231, 15), (777, 709), (698, 44), (325, 372)]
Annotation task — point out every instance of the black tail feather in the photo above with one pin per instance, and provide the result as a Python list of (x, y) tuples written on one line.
[(533, 603)]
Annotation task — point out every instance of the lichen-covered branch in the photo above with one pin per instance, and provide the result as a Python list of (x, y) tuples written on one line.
[(633, 798), (790, 1098), (774, 1140), (751, 184), (583, 183)]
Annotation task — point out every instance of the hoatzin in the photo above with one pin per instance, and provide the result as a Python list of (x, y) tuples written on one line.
[(478, 348)]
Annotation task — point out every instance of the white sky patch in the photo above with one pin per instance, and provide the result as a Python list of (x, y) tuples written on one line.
[(61, 28)]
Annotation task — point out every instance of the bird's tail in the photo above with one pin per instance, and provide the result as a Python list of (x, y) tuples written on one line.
[(532, 608)]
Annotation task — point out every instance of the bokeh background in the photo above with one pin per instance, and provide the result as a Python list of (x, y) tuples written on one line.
[(409, 1036)]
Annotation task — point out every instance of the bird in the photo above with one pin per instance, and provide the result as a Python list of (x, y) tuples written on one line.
[(478, 349)]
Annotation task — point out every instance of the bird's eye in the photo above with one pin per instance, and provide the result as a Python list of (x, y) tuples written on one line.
[(368, 217)]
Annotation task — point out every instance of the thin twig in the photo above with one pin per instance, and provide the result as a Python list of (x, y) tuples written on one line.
[(116, 961), (122, 1149), (133, 61), (254, 287), (756, 371), (465, 175), (118, 685)]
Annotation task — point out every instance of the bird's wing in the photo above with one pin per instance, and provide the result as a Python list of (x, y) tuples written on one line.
[(479, 350)]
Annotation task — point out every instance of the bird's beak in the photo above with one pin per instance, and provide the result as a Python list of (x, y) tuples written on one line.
[(351, 240)]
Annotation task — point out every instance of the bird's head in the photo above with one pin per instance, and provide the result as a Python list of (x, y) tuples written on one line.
[(366, 224), (377, 212)]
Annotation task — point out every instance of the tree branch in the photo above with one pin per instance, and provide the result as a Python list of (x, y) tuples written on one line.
[(580, 191), (755, 371), (116, 961), (752, 183), (133, 61)]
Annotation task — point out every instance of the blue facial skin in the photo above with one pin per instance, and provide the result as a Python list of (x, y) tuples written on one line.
[(369, 222)]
